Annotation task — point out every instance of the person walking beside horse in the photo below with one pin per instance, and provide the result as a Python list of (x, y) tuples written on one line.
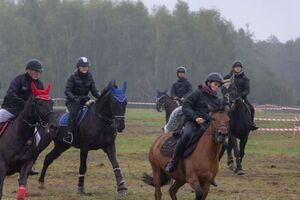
[(241, 81), (79, 84)]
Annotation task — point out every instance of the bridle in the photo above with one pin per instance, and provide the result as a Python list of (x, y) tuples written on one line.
[(40, 120)]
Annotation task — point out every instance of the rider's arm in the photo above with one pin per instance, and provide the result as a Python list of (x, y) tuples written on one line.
[(188, 104), (173, 90), (246, 88), (69, 87), (95, 92), (13, 91), (189, 90)]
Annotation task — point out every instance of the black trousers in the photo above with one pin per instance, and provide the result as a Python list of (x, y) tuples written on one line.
[(189, 131), (251, 107), (73, 109)]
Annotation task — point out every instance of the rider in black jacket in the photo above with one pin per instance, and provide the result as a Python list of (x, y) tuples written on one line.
[(20, 88), (241, 81), (79, 84), (182, 87), (19, 91), (196, 112)]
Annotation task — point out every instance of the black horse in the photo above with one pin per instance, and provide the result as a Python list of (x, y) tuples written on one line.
[(16, 152), (97, 130), (165, 102), (240, 126)]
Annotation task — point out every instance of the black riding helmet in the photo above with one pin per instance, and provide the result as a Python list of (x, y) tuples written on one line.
[(237, 63), (82, 62), (34, 64), (181, 69), (214, 77)]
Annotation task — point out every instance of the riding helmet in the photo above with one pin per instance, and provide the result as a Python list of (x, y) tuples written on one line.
[(214, 77), (34, 64), (82, 62), (237, 63), (181, 69)]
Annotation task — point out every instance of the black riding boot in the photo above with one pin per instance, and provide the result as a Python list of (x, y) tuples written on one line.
[(177, 155), (252, 112), (68, 137)]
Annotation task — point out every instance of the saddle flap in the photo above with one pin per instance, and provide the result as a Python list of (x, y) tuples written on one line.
[(3, 127), (168, 147), (63, 121)]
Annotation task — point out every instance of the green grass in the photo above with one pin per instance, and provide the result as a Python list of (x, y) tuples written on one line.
[(271, 165)]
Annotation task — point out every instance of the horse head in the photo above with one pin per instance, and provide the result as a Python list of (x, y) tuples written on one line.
[(230, 93), (114, 103), (161, 97), (39, 105), (220, 125)]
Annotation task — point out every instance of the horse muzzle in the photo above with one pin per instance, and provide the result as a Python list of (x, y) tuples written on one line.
[(119, 122)]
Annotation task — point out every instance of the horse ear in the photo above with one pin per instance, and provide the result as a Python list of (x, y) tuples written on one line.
[(48, 88), (33, 88), (165, 92)]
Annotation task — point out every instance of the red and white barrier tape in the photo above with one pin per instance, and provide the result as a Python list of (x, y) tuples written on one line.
[(277, 120), (279, 129)]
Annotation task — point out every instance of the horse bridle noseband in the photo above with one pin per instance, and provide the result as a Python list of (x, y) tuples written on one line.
[(41, 122), (218, 137)]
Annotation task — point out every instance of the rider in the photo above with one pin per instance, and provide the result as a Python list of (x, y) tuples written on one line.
[(20, 90), (79, 84), (196, 112), (241, 81), (182, 87)]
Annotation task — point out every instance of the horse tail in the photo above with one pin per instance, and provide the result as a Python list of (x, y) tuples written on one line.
[(164, 179)]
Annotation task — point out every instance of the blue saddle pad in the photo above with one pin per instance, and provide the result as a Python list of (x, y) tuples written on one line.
[(63, 121)]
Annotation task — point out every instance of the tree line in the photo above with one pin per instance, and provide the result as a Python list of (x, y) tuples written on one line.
[(127, 42)]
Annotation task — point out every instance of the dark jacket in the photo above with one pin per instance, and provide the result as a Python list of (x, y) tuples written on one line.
[(181, 88), (18, 93), (79, 85), (241, 82), (196, 104)]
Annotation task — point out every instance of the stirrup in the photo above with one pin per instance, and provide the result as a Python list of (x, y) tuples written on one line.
[(68, 138)]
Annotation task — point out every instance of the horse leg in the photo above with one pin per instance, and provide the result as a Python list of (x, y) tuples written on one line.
[(194, 182), (157, 182), (58, 149), (230, 145), (205, 186), (111, 153), (2, 177), (174, 188), (238, 170), (25, 169), (82, 170), (243, 143)]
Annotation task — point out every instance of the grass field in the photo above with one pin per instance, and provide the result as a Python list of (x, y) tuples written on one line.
[(272, 166)]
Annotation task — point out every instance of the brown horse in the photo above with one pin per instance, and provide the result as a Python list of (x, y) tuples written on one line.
[(199, 169)]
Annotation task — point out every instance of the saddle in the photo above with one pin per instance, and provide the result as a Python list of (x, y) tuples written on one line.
[(63, 120), (3, 127), (168, 146)]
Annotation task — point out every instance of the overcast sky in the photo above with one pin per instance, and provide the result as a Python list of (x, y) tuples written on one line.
[(265, 17)]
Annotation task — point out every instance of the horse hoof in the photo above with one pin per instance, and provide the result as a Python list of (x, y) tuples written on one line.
[(239, 172), (80, 190), (231, 166), (42, 185), (122, 190)]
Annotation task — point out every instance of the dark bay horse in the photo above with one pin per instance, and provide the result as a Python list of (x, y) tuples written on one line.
[(199, 169), (240, 126), (15, 153), (97, 130), (165, 102)]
